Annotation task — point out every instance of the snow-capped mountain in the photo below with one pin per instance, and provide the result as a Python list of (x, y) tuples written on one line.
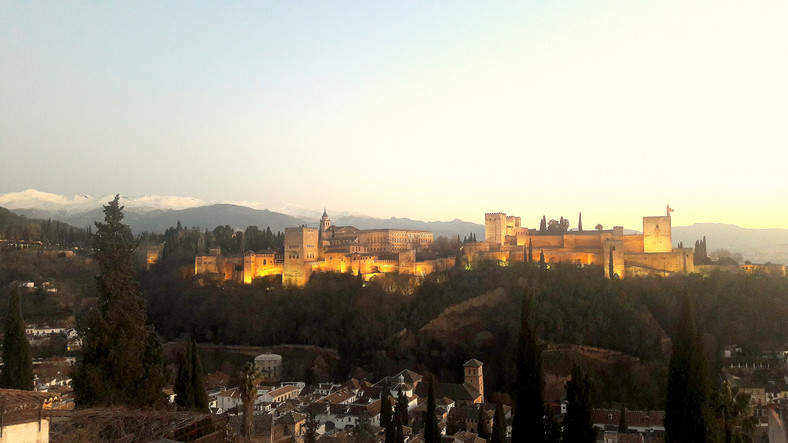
[(32, 199), (156, 213), (56, 204)]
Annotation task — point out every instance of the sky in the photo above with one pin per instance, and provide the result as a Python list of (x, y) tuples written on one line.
[(426, 110)]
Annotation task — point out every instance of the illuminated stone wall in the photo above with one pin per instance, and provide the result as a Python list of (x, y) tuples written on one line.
[(678, 261), (260, 265), (301, 250), (495, 228), (657, 234)]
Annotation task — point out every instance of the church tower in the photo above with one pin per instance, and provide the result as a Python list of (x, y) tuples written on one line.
[(325, 222), (474, 378)]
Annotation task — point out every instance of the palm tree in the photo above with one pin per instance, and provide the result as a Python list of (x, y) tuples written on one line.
[(250, 379), (733, 411)]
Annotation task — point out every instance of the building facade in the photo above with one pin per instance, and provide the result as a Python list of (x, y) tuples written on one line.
[(648, 253)]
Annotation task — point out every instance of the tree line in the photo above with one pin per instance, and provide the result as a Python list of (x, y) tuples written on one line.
[(49, 232)]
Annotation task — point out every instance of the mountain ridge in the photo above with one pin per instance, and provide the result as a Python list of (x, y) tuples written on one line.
[(154, 213)]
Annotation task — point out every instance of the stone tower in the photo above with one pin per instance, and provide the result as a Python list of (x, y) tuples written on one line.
[(325, 222), (473, 376)]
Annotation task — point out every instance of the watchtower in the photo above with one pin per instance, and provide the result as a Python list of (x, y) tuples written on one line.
[(474, 377)]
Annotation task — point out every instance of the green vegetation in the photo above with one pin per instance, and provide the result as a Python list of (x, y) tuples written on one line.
[(379, 330), (48, 232), (499, 425), (123, 362), (249, 380), (529, 413), (189, 385), (687, 409), (17, 362), (579, 422), (431, 429)]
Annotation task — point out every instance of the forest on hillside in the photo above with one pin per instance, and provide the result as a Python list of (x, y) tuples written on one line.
[(49, 232), (378, 330)]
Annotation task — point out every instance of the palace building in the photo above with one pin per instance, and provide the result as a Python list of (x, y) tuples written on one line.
[(329, 248), (648, 253)]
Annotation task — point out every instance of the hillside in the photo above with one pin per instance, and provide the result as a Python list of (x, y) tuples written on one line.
[(757, 245)]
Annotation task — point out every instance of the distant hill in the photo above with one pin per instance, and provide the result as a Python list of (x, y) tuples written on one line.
[(757, 245), (204, 217), (446, 228)]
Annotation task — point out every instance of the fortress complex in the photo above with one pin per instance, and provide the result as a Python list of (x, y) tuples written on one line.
[(648, 253), (329, 249), (347, 249)]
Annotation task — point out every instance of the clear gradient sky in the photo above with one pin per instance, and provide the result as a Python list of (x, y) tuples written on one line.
[(427, 110)]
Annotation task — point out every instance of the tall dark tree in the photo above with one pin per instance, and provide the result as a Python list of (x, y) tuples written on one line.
[(483, 430), (687, 408), (386, 417), (530, 251), (122, 357), (401, 409), (311, 425), (399, 433), (189, 382), (610, 269), (579, 222), (528, 417), (579, 421), (622, 421), (184, 387), (18, 364), (543, 224), (198, 380), (552, 429), (432, 432), (499, 425), (541, 259)]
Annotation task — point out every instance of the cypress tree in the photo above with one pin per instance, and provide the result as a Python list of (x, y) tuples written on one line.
[(530, 251), (198, 381), (552, 430), (402, 408), (687, 408), (432, 432), (399, 434), (184, 387), (250, 378), (386, 420), (541, 259), (579, 422), (580, 222), (610, 267), (622, 421), (122, 362), (18, 363), (528, 417), (543, 224), (483, 430), (499, 425)]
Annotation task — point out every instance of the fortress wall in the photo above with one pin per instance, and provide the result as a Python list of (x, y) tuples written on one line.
[(578, 257), (547, 241), (616, 247), (633, 244), (657, 234), (517, 254), (678, 261), (492, 256)]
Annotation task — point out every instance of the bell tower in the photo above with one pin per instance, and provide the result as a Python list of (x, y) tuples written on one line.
[(325, 222), (474, 377)]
